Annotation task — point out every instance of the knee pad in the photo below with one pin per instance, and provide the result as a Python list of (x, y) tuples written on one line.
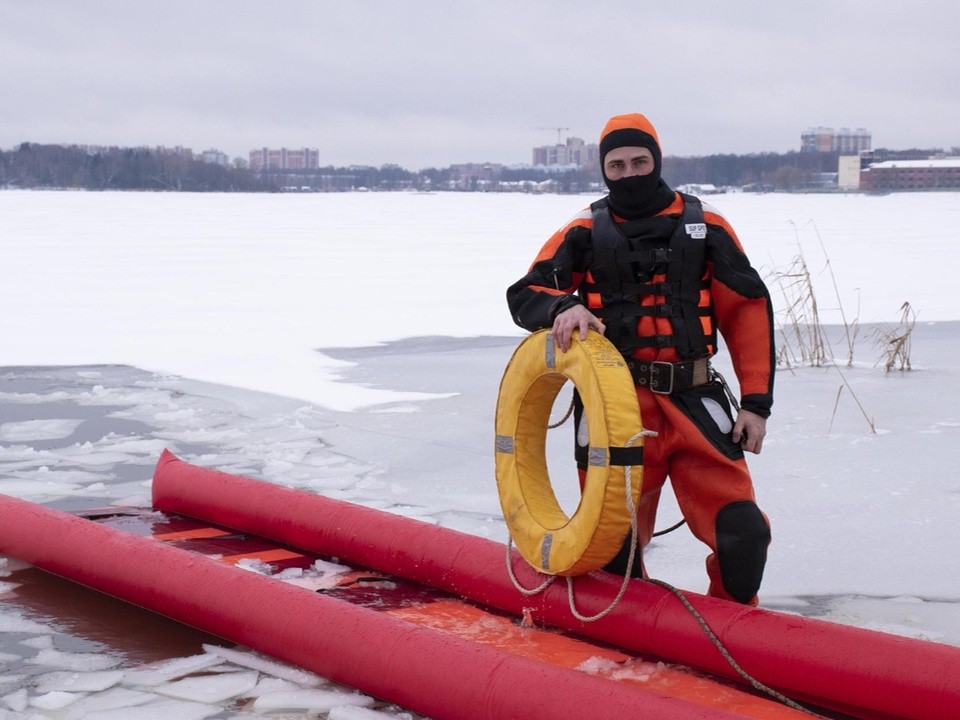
[(742, 539)]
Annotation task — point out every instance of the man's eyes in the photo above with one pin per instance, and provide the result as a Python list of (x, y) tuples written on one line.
[(635, 162)]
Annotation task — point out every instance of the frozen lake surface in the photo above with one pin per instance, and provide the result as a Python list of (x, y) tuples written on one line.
[(352, 345)]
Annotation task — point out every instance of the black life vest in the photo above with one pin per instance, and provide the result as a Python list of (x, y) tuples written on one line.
[(620, 275)]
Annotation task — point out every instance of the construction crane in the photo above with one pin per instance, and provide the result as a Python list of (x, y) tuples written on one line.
[(558, 129)]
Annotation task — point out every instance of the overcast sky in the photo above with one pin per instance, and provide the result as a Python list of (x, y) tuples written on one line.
[(433, 83)]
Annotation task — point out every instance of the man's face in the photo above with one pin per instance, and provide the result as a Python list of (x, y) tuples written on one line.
[(625, 162)]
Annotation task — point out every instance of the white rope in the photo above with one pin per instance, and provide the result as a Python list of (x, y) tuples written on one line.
[(562, 420), (516, 583), (634, 533), (631, 559)]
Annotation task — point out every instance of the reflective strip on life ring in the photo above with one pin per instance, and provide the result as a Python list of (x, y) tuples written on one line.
[(547, 538)]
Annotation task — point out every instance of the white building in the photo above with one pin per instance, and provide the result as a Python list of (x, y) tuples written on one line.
[(215, 157)]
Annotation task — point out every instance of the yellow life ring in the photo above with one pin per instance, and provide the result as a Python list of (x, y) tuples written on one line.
[(547, 538)]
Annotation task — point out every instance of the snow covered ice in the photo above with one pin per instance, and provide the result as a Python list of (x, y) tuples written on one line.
[(352, 345)]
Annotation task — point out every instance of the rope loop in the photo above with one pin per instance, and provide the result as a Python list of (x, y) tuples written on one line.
[(631, 559), (513, 577)]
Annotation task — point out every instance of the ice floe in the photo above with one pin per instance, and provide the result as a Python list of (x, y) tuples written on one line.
[(32, 430), (78, 681), (210, 688)]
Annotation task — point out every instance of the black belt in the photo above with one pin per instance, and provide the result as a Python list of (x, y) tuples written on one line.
[(667, 377)]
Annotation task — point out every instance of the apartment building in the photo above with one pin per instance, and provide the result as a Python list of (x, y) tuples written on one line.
[(573, 152), (844, 141), (215, 157), (284, 159)]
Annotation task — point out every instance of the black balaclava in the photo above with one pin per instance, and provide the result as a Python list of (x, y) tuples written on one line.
[(637, 196)]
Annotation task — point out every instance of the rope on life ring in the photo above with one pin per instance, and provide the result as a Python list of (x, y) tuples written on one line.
[(546, 537)]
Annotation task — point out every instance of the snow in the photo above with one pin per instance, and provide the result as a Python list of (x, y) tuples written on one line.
[(243, 289), (352, 345)]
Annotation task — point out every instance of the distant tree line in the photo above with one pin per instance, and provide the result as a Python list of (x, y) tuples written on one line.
[(780, 171), (71, 166), (32, 165)]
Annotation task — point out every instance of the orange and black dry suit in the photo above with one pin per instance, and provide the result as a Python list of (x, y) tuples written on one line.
[(663, 286)]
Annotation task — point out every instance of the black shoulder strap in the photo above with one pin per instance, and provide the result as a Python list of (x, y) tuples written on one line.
[(609, 243), (686, 267)]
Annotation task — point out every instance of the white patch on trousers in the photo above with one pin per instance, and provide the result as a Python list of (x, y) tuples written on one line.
[(718, 414)]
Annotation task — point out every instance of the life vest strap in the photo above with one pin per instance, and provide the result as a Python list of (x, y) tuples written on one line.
[(628, 312), (657, 256), (648, 341)]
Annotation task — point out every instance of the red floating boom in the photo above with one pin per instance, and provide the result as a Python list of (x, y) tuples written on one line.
[(861, 672), (426, 670)]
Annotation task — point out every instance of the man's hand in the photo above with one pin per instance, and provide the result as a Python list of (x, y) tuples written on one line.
[(749, 430), (575, 318)]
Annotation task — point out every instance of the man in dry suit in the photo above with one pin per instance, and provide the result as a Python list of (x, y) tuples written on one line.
[(659, 273)]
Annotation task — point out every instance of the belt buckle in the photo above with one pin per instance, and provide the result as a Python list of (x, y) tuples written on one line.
[(655, 377)]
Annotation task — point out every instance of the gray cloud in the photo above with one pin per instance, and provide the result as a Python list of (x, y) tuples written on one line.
[(424, 84)]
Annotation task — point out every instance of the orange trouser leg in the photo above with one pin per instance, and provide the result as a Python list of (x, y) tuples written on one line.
[(715, 494)]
